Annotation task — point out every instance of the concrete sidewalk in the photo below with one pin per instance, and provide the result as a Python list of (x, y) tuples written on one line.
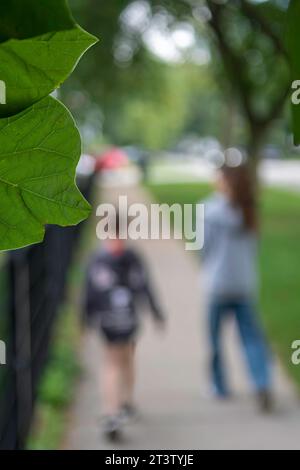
[(176, 410)]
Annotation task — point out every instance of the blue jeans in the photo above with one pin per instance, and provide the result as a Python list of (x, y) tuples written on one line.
[(256, 351)]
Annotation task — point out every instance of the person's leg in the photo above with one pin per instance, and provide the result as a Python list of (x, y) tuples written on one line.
[(255, 346), (128, 374), (216, 312), (111, 378)]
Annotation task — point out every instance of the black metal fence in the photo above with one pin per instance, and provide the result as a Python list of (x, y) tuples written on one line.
[(32, 287)]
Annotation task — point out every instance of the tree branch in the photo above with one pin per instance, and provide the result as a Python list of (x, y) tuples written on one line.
[(255, 17), (276, 108), (232, 61), (236, 67)]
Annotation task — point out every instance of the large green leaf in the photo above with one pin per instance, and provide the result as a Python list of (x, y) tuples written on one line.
[(39, 151), (21, 19), (40, 44), (293, 45), (33, 68)]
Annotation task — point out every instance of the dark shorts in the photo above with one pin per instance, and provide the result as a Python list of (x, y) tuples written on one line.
[(113, 337)]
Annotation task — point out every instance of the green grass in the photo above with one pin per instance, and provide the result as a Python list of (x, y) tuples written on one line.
[(279, 261)]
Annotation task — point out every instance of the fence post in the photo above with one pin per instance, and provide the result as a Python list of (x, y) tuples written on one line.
[(22, 322)]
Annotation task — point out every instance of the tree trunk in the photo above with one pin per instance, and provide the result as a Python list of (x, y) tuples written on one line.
[(256, 140), (229, 122)]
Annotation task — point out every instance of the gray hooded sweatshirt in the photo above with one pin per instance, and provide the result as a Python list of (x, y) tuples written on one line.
[(229, 252)]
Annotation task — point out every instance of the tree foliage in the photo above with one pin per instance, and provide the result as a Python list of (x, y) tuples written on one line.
[(293, 44), (248, 57), (249, 40)]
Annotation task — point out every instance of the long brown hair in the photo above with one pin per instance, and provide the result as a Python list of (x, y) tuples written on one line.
[(242, 192)]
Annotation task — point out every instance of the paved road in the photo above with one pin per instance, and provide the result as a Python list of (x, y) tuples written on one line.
[(176, 410)]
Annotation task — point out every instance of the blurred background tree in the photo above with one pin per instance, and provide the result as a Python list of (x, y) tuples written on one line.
[(248, 38), (167, 68)]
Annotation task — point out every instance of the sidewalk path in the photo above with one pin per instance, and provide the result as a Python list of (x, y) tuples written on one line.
[(176, 410)]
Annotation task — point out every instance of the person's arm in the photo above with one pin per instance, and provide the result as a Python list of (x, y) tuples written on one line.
[(142, 285), (155, 308), (208, 232), (90, 296)]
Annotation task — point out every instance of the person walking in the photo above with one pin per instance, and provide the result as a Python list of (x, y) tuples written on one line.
[(229, 259), (116, 282)]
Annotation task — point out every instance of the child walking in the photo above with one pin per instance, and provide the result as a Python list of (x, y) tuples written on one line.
[(229, 266), (116, 282)]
